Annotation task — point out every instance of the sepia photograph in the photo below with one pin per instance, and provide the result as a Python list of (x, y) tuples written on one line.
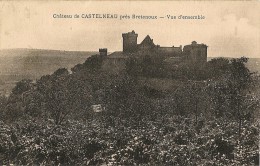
[(129, 83)]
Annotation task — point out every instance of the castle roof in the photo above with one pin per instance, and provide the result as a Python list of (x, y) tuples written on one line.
[(194, 43), (117, 55), (147, 41)]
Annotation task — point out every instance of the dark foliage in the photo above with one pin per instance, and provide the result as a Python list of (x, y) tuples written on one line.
[(207, 119)]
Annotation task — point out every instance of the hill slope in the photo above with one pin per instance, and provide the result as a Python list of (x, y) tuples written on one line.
[(17, 64)]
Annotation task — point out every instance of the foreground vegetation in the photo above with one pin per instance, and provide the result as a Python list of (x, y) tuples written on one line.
[(209, 118), (170, 140)]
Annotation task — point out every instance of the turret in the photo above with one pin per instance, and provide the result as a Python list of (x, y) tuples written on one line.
[(103, 51), (196, 52)]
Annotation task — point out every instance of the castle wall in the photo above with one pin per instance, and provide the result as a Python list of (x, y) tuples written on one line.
[(170, 51), (115, 62), (144, 47)]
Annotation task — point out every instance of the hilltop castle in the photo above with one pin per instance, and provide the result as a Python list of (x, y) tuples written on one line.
[(195, 53)]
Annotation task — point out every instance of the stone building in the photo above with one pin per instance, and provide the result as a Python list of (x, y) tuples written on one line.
[(194, 53), (103, 51), (147, 46)]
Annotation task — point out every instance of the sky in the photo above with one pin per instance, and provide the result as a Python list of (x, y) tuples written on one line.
[(230, 29)]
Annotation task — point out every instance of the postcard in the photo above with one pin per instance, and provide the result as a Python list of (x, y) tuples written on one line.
[(129, 82)]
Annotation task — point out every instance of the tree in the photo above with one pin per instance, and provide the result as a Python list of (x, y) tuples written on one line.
[(3, 102), (217, 67), (55, 94), (94, 63), (240, 81), (192, 98), (14, 106), (232, 93), (146, 66), (22, 86)]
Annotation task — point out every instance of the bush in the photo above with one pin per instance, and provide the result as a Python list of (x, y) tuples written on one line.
[(150, 142)]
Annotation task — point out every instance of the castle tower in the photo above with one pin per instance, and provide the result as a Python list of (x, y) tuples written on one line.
[(196, 52), (103, 51), (130, 42)]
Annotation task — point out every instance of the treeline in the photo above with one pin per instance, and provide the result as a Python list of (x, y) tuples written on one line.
[(221, 89)]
